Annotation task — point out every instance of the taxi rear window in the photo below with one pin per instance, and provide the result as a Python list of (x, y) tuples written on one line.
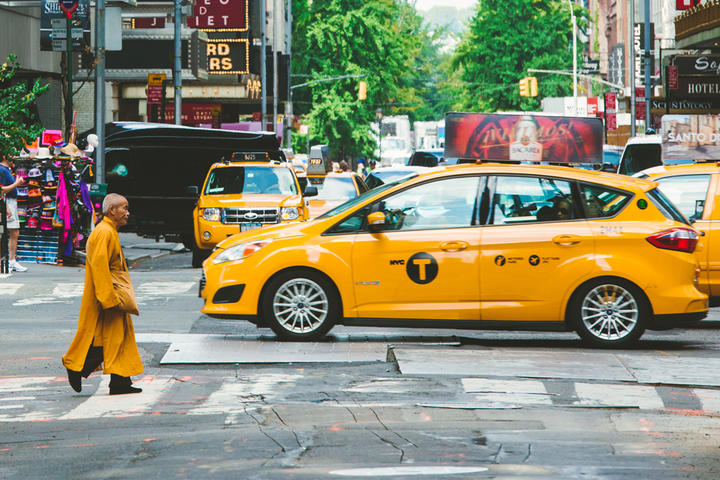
[(666, 206)]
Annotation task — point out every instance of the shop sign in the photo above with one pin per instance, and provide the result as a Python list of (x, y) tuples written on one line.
[(704, 86), (611, 111), (639, 43), (592, 106), (672, 73), (144, 22), (192, 113), (691, 136), (697, 64), (220, 15), (228, 57), (155, 87), (686, 105), (640, 103), (506, 137), (51, 10)]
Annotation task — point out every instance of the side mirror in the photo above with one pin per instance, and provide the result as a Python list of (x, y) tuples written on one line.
[(310, 191), (376, 221), (192, 191)]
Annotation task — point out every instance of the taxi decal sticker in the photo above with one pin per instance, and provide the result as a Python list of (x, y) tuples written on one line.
[(397, 262), (422, 268), (499, 260), (534, 260)]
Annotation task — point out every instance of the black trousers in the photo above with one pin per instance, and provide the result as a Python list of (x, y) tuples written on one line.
[(93, 359)]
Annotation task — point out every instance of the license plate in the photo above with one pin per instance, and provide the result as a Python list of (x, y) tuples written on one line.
[(244, 227)]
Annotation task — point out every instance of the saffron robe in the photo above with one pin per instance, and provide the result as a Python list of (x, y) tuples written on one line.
[(97, 315)]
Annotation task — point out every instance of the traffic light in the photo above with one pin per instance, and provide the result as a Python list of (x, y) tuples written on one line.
[(528, 87), (362, 90), (524, 87)]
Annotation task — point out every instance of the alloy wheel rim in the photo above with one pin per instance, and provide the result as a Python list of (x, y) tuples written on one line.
[(300, 305), (610, 312)]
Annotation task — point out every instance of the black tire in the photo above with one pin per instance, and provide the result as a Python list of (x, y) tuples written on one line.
[(609, 313), (300, 305), (199, 256)]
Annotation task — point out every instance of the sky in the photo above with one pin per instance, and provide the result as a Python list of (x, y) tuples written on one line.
[(428, 4)]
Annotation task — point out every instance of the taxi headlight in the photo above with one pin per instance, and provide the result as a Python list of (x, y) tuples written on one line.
[(289, 213), (239, 251), (212, 214)]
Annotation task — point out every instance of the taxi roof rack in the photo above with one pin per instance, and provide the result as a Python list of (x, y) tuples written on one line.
[(266, 156)]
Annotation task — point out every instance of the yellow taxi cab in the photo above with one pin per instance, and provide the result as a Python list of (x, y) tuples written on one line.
[(241, 196), (471, 246), (694, 190), (328, 187)]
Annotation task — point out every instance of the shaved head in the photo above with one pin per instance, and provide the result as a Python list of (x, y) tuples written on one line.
[(112, 200)]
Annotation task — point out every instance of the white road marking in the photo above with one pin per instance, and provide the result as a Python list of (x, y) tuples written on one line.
[(710, 399), (11, 407), (15, 399), (10, 288), (597, 394), (68, 290), (236, 393), (102, 404), (11, 384), (525, 392), (160, 289), (375, 472), (38, 301)]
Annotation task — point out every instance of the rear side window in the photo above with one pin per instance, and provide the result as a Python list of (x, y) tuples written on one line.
[(666, 207), (531, 199), (687, 193), (602, 202)]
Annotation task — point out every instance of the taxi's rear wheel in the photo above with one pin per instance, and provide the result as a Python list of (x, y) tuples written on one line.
[(609, 313), (300, 305)]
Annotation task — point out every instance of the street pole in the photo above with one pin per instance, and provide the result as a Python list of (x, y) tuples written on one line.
[(100, 91), (288, 46), (648, 85), (275, 65), (631, 63), (177, 71), (574, 39), (263, 64), (69, 106)]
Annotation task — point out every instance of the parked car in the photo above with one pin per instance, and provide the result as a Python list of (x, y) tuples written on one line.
[(694, 190), (479, 247)]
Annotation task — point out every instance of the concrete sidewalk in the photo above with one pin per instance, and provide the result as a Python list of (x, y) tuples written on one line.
[(137, 248)]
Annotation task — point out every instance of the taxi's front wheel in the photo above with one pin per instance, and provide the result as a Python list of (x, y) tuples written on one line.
[(300, 305), (609, 312)]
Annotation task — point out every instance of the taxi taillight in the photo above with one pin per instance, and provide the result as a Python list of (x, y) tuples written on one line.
[(680, 239)]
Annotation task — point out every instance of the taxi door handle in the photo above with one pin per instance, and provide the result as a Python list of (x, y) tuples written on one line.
[(567, 240), (453, 246)]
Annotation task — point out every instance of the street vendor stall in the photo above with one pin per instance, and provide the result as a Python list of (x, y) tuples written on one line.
[(54, 207)]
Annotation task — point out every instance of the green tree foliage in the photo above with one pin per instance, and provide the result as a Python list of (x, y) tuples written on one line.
[(503, 40), (17, 123), (385, 40)]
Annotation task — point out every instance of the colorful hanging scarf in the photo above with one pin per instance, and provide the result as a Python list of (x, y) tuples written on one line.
[(63, 209)]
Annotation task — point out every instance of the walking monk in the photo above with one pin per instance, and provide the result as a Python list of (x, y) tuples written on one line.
[(105, 335)]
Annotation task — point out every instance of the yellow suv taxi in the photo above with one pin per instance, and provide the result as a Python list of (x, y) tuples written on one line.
[(241, 196), (471, 246), (694, 190)]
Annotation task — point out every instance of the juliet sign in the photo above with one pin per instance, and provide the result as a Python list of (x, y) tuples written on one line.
[(220, 15)]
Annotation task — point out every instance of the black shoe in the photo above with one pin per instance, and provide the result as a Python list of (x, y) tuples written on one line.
[(124, 389), (74, 380)]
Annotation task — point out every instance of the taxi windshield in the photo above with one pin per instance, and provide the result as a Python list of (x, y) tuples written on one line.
[(360, 198), (333, 188), (250, 179)]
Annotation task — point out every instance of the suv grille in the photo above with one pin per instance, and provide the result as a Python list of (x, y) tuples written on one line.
[(250, 215), (203, 281)]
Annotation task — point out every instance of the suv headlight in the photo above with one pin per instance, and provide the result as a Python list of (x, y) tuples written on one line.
[(212, 214), (290, 213), (239, 251)]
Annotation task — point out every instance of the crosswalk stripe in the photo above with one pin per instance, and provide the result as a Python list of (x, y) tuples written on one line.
[(710, 399), (102, 404), (67, 290), (163, 288), (597, 394), (235, 393), (10, 288), (528, 392)]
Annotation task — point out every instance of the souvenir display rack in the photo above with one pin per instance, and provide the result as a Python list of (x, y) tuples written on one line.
[(54, 207)]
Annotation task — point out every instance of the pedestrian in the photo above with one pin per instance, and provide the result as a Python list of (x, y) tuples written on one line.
[(361, 169), (344, 167), (105, 333), (8, 185)]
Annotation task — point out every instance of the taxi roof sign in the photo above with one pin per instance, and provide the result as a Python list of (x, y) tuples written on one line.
[(319, 161), (258, 156)]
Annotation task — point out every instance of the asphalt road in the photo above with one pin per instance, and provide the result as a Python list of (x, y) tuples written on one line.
[(222, 399)]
